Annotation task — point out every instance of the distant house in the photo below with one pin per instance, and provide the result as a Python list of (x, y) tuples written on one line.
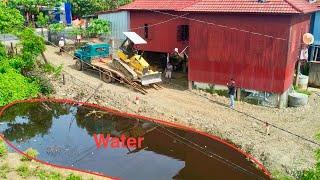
[(256, 42), (315, 30)]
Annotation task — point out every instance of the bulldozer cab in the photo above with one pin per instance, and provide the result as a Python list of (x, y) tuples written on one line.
[(130, 56), (127, 47)]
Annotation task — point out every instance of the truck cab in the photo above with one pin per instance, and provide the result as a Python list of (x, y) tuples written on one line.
[(91, 51)]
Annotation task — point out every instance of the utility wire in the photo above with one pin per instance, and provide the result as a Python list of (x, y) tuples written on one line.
[(206, 152), (219, 25), (159, 23), (195, 146)]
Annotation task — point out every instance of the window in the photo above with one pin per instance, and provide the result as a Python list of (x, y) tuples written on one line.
[(146, 31), (183, 33)]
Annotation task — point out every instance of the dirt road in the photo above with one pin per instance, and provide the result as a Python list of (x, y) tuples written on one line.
[(209, 113)]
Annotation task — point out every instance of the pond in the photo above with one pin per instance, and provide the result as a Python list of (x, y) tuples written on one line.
[(84, 137)]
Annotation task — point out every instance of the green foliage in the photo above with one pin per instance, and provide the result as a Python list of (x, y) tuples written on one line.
[(98, 27), (11, 20), (76, 31), (4, 170), (49, 68), (43, 20), (44, 175), (31, 153), (279, 176), (46, 87), (303, 91), (14, 86), (73, 177), (82, 8), (57, 27), (24, 171), (3, 149), (3, 52)]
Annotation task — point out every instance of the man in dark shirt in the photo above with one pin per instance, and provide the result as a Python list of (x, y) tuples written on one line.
[(231, 92)]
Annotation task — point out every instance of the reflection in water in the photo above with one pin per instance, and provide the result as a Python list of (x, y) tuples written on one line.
[(63, 134)]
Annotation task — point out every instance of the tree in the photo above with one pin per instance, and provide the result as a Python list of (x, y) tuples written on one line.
[(98, 27), (33, 46), (32, 7), (82, 8), (43, 21), (57, 27), (10, 20)]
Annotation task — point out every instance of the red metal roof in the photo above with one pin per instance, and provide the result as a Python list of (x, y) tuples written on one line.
[(158, 4), (228, 6)]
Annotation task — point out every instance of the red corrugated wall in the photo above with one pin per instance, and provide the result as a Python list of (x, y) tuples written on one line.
[(299, 26), (162, 37), (217, 54), (255, 62)]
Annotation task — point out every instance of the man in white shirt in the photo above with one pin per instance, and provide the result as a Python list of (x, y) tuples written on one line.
[(61, 45)]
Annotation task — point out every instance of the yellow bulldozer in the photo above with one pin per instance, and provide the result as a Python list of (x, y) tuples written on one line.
[(137, 67)]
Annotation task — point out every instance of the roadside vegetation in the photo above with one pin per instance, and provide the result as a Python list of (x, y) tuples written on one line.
[(14, 166)]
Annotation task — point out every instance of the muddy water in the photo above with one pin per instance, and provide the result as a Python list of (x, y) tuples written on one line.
[(64, 135)]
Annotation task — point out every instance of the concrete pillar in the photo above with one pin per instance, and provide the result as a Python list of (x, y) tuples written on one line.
[(190, 84), (238, 94), (283, 99)]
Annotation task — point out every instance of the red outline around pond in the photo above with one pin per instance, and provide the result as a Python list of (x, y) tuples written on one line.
[(124, 114)]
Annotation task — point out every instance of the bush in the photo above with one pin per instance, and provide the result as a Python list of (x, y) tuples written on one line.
[(3, 149), (98, 27), (31, 153), (46, 87), (14, 86), (42, 174), (73, 177), (23, 171), (49, 68), (57, 27), (4, 170)]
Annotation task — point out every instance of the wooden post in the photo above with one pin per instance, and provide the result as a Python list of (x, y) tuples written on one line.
[(238, 94), (63, 79), (298, 72), (315, 57)]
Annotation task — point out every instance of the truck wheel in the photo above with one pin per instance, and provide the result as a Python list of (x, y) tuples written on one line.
[(78, 65), (107, 77)]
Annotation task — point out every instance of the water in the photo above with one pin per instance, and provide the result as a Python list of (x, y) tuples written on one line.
[(64, 135)]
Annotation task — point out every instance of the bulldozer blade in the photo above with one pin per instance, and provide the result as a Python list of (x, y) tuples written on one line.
[(151, 78)]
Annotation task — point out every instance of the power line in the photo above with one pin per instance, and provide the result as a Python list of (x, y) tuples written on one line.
[(266, 122), (206, 152), (219, 25), (162, 22), (195, 146)]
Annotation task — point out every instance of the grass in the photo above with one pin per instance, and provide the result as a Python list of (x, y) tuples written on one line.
[(279, 176), (43, 175), (3, 149), (302, 91), (220, 92), (49, 68), (73, 177), (24, 171), (4, 170), (31, 153)]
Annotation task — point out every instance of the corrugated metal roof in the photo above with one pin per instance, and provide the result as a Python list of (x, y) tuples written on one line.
[(229, 6), (158, 4)]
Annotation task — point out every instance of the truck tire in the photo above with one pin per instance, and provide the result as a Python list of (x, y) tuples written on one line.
[(79, 65), (107, 77)]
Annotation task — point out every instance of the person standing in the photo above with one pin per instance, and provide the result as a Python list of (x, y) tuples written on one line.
[(231, 92), (61, 45)]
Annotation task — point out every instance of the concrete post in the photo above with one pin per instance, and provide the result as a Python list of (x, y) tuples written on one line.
[(238, 94), (283, 99), (190, 84)]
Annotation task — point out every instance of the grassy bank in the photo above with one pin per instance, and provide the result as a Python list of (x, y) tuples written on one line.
[(14, 166)]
